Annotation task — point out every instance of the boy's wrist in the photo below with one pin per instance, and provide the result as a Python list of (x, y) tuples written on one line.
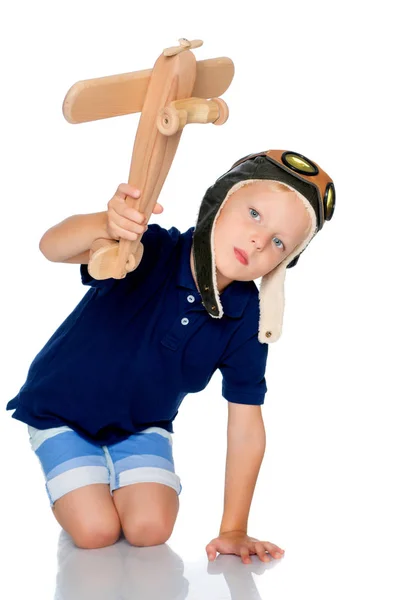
[(103, 225), (231, 530), (233, 524)]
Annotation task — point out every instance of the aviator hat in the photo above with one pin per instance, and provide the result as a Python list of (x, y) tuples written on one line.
[(313, 186)]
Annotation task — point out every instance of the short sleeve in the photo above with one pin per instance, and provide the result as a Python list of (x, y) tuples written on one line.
[(243, 370), (152, 240)]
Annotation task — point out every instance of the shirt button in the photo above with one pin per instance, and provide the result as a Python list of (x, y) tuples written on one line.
[(190, 298), (185, 321)]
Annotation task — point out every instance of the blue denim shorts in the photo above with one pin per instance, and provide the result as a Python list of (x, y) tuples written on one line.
[(69, 461)]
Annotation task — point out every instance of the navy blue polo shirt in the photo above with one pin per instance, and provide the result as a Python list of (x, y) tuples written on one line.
[(133, 348)]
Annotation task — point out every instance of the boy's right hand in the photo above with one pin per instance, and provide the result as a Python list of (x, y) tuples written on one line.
[(124, 222)]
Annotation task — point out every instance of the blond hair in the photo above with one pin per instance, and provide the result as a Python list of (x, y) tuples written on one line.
[(274, 186), (277, 186)]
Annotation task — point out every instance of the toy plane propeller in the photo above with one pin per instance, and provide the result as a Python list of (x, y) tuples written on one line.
[(184, 44)]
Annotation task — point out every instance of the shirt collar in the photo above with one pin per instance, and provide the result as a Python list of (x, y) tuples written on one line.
[(233, 299)]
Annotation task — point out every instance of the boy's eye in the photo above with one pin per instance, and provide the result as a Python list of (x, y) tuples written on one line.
[(278, 243), (254, 212)]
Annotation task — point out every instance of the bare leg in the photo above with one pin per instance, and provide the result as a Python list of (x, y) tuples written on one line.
[(147, 512), (89, 516)]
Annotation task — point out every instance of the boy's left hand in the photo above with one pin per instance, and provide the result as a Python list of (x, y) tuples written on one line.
[(238, 542)]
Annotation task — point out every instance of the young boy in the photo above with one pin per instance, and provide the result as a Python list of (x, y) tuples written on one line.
[(101, 396)]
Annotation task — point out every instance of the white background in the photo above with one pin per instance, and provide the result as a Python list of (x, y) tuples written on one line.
[(315, 77)]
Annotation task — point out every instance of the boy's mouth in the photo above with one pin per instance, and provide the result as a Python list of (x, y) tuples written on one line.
[(241, 255)]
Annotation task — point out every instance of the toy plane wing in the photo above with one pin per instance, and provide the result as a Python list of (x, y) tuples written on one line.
[(116, 95)]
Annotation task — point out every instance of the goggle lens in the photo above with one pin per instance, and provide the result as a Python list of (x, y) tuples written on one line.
[(329, 201), (299, 163)]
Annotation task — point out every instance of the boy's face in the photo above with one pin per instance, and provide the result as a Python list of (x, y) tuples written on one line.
[(264, 224)]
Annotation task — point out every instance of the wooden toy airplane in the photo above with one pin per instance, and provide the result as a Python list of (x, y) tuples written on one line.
[(177, 91)]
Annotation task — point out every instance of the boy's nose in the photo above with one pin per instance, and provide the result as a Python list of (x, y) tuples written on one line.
[(259, 241)]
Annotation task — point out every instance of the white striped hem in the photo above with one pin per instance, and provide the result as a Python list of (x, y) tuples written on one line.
[(76, 478), (150, 475)]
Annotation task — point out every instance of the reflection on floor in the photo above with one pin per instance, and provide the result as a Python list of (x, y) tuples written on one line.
[(123, 572)]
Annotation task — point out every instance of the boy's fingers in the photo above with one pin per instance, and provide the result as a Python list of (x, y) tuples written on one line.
[(244, 553), (133, 214), (274, 550), (124, 189), (132, 221), (211, 551), (260, 550), (119, 207)]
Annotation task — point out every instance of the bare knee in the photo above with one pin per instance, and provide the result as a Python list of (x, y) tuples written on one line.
[(147, 512), (96, 535), (148, 532), (88, 515)]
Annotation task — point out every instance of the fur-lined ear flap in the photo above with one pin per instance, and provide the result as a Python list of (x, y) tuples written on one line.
[(272, 305)]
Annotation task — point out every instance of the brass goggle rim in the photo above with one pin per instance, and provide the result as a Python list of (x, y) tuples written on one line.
[(287, 155), (329, 201)]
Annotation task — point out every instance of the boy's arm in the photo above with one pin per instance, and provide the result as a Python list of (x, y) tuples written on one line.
[(245, 451), (71, 240)]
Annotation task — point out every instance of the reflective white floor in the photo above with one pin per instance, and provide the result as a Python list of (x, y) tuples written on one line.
[(122, 571)]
